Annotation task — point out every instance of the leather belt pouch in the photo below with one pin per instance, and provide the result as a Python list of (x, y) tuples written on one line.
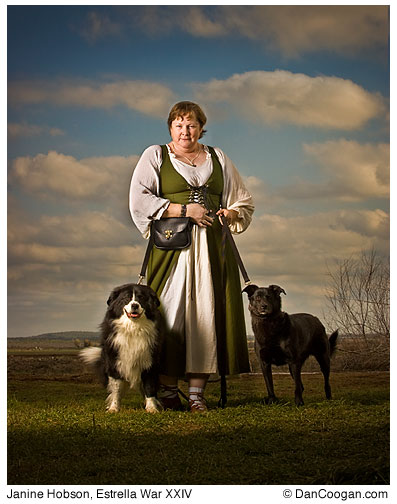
[(172, 233)]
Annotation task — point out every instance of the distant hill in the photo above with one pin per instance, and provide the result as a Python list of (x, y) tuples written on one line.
[(63, 336)]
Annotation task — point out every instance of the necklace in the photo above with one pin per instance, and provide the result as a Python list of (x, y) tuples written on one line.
[(190, 161)]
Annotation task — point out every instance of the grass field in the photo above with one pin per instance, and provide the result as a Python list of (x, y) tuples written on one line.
[(59, 433)]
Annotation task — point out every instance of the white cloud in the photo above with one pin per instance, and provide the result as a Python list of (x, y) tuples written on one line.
[(297, 29), (149, 98), (58, 175), (15, 130), (69, 263), (282, 97), (64, 266), (370, 223), (158, 21), (98, 25), (289, 29), (296, 250), (55, 132), (86, 228), (197, 23), (354, 171)]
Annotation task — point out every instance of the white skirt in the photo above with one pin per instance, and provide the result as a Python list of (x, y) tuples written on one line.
[(189, 305)]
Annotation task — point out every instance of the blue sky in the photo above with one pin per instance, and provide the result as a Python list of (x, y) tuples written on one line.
[(297, 96)]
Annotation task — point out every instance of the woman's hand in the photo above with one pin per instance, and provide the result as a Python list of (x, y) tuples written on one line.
[(196, 212), (231, 215), (199, 215)]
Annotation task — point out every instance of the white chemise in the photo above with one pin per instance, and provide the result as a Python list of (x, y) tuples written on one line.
[(187, 298)]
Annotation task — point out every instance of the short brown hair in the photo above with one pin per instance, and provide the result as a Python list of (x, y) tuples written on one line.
[(187, 108)]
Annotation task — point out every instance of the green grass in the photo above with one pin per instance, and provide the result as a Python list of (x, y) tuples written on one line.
[(59, 433)]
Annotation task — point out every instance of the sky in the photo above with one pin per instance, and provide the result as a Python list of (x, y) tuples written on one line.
[(296, 96)]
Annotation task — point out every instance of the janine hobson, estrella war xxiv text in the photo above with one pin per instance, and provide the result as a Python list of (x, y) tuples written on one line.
[(101, 493)]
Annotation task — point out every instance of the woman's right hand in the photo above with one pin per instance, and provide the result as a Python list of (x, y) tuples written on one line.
[(199, 215)]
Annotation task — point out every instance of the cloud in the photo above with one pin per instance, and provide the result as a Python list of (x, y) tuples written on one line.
[(148, 98), (98, 25), (55, 132), (159, 21), (295, 30), (193, 20), (88, 246), (16, 130), (370, 223), (296, 249), (57, 175), (282, 97), (69, 263), (62, 268), (290, 30), (87, 228), (354, 171), (197, 23)]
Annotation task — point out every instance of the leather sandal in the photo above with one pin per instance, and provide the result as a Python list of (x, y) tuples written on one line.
[(198, 405)]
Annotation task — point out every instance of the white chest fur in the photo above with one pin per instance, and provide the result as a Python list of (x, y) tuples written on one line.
[(134, 341)]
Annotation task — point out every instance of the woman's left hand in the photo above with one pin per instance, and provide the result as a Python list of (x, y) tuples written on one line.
[(231, 215)]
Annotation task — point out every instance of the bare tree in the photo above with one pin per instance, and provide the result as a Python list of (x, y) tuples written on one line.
[(358, 299)]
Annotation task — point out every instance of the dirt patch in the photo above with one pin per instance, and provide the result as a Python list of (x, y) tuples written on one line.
[(48, 367)]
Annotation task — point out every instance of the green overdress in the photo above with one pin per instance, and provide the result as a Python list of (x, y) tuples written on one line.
[(232, 351)]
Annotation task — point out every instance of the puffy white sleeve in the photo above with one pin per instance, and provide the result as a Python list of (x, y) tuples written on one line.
[(235, 195), (145, 203)]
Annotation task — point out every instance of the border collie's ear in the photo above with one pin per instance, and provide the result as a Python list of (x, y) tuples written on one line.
[(152, 296), (250, 289), (277, 289), (155, 299), (113, 295)]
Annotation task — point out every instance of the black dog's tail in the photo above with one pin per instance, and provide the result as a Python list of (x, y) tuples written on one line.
[(332, 341)]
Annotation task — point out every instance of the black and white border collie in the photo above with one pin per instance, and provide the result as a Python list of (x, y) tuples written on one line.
[(131, 338)]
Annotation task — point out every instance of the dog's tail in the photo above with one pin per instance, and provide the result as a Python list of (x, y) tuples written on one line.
[(91, 355), (332, 341)]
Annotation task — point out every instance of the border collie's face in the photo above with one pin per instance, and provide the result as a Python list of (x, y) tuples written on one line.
[(133, 309), (134, 301)]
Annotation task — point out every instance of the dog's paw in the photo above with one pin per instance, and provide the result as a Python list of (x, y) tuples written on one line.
[(112, 409), (153, 405)]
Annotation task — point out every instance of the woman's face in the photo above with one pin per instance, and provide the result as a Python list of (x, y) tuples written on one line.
[(185, 132)]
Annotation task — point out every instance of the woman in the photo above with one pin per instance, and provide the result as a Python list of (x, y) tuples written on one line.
[(199, 287)]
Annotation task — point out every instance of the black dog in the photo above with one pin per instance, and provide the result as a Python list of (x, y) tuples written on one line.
[(131, 339), (287, 339)]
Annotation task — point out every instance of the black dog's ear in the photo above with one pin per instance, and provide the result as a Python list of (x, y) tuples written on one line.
[(250, 289), (277, 289)]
